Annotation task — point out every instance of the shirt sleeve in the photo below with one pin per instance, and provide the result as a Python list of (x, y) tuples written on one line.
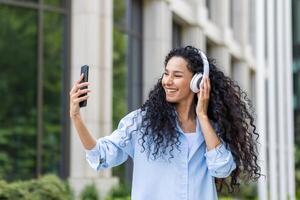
[(114, 149), (220, 161)]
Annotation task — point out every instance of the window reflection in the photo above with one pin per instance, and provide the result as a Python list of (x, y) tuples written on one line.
[(19, 36), (57, 3), (177, 35), (120, 43), (18, 78), (52, 88)]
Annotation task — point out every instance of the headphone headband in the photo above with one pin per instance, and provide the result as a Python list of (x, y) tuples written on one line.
[(205, 63)]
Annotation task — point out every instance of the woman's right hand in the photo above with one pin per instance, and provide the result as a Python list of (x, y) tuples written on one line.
[(75, 92)]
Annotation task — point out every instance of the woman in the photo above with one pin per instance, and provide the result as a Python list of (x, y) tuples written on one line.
[(183, 144)]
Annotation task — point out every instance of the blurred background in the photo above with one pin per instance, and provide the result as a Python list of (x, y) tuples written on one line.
[(43, 44)]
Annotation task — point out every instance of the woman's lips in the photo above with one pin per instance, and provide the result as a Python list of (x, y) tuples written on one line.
[(170, 90)]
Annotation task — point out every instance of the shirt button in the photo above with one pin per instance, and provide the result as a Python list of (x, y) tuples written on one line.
[(101, 160)]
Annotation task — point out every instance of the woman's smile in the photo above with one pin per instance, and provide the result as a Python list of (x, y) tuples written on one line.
[(170, 90)]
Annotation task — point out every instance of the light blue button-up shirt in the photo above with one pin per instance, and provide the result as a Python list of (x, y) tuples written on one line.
[(187, 176)]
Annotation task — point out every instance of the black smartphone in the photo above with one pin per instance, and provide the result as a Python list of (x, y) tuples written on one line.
[(85, 71)]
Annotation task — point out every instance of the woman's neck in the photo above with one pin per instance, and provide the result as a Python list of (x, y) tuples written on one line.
[(186, 112)]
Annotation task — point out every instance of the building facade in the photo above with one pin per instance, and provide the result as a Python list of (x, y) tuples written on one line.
[(251, 41)]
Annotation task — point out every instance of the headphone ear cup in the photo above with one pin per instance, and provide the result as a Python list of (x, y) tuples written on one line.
[(195, 82)]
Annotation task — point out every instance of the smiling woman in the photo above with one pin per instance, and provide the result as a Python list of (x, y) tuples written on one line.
[(181, 142)]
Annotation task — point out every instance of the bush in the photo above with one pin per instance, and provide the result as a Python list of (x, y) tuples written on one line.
[(121, 192), (47, 187), (225, 198), (89, 193)]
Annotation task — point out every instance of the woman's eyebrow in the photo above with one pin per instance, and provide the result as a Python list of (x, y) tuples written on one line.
[(175, 71), (178, 72)]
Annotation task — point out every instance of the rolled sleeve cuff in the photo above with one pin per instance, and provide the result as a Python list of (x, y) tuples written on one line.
[(220, 161), (216, 152), (93, 157)]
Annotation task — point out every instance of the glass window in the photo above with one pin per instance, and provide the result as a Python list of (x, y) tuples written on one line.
[(18, 83), (57, 3), (32, 117), (120, 43), (28, 0), (235, 20), (127, 67), (231, 13), (52, 90), (208, 7), (251, 19), (134, 55), (252, 92), (296, 21), (296, 83), (177, 35), (119, 61), (296, 74)]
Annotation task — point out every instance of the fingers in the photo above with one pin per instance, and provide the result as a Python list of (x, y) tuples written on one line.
[(80, 92), (208, 83), (205, 87), (77, 100), (77, 86), (77, 97), (80, 78), (81, 85)]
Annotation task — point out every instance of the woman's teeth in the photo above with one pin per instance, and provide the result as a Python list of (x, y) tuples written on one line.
[(171, 90)]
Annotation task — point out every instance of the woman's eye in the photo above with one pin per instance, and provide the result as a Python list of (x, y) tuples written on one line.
[(178, 76)]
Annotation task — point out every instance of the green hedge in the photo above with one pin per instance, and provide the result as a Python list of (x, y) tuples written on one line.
[(119, 192), (46, 188), (89, 193)]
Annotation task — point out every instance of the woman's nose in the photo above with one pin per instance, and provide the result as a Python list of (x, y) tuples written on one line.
[(169, 80)]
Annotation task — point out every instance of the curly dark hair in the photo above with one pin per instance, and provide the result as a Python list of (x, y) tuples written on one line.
[(229, 108)]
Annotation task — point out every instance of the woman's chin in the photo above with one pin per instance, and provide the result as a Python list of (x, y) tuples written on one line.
[(171, 100)]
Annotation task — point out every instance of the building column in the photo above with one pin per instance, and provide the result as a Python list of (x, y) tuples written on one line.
[(261, 96), (285, 101), (272, 108), (194, 35), (282, 99), (241, 74), (220, 13), (92, 45), (245, 26), (157, 41), (240, 21), (223, 58), (220, 16)]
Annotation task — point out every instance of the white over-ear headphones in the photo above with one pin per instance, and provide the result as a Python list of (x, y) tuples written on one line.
[(196, 81)]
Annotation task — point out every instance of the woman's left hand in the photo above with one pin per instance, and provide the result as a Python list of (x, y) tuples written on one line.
[(203, 97)]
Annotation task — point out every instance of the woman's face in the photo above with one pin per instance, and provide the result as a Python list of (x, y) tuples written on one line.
[(176, 81)]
